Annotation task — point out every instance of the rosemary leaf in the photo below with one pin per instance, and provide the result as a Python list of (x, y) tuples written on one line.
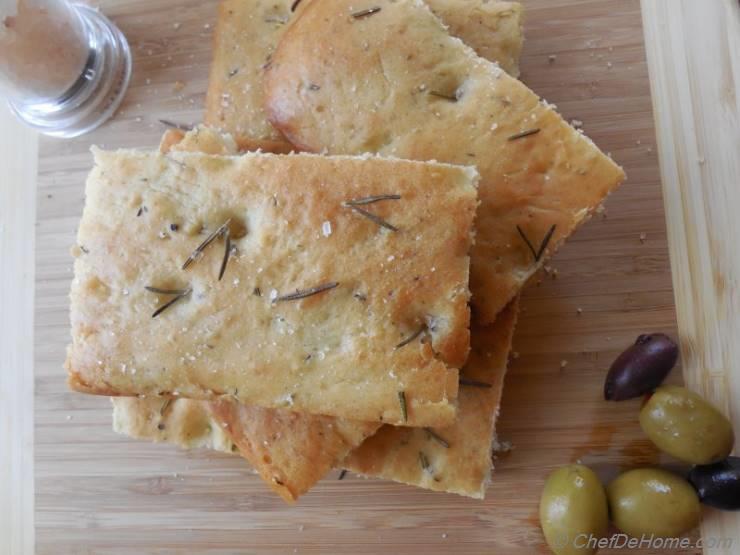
[(210, 239), (175, 125), (411, 337), (342, 474), (371, 199), (294, 5), (474, 383), (527, 241), (302, 294), (545, 242), (523, 134), (160, 291), (537, 253), (172, 301), (227, 252), (373, 218), (404, 407), (366, 13), (438, 438), (449, 97)]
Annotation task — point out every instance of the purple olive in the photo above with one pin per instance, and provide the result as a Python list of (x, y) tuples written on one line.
[(641, 368), (718, 484)]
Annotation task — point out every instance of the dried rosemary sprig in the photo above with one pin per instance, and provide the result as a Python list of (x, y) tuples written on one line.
[(372, 217), (179, 294), (438, 438), (370, 199), (474, 383), (210, 239), (404, 407), (366, 13), (424, 462), (294, 5), (161, 291), (411, 337), (314, 87), (302, 294), (175, 125), (523, 134), (342, 474), (438, 94), (227, 252), (545, 241)]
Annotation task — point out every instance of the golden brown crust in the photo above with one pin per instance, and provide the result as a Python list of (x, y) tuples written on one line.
[(290, 451), (375, 90), (420, 458), (331, 353), (247, 32)]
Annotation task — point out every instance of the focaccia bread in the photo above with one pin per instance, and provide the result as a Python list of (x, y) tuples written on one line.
[(351, 77), (321, 308), (457, 458), (247, 32)]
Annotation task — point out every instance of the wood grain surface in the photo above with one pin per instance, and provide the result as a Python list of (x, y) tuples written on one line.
[(18, 158), (697, 110), (103, 494)]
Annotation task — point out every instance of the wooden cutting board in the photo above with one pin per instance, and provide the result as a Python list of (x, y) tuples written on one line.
[(97, 492)]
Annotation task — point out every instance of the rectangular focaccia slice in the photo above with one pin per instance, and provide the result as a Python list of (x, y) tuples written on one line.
[(329, 304), (351, 77), (293, 451), (456, 458), (247, 32)]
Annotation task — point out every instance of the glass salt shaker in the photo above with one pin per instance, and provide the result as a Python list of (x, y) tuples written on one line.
[(64, 67)]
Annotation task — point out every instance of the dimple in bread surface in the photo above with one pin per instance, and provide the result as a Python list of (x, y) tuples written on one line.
[(340, 83), (331, 353), (247, 32)]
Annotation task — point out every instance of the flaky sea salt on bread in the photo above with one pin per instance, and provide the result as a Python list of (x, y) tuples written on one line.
[(275, 281), (387, 77)]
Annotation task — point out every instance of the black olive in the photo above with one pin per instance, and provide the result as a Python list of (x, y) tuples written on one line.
[(641, 368), (718, 484)]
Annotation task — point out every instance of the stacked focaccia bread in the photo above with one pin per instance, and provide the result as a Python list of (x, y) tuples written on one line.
[(311, 311)]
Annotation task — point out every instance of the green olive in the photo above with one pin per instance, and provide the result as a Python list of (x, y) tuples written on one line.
[(648, 501), (685, 426), (573, 508)]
